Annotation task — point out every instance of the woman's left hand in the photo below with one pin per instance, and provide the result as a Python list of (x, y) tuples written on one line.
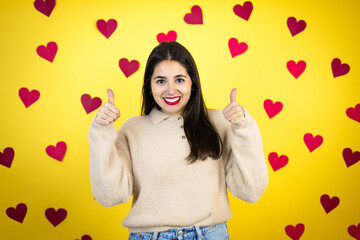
[(233, 112)]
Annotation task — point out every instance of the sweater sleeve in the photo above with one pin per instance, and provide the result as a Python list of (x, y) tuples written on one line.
[(245, 166), (110, 165)]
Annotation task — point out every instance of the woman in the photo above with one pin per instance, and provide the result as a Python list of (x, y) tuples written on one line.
[(177, 159)]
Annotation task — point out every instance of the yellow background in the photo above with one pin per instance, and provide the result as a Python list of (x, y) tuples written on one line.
[(87, 63)]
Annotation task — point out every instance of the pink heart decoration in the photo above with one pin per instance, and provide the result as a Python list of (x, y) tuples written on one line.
[(339, 69), (195, 17), (272, 109), (7, 157), (354, 113), (295, 232), (106, 28), (295, 26), (57, 152), (28, 97), (244, 11), (350, 157), (90, 104), (311, 142), (128, 68), (170, 36), (45, 7), (277, 162), (236, 48), (55, 217), (329, 203), (47, 52), (354, 231), (296, 69), (18, 214)]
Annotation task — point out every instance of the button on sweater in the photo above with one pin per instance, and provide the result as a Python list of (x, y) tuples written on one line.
[(146, 159)]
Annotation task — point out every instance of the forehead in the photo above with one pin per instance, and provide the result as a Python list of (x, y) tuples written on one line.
[(167, 67)]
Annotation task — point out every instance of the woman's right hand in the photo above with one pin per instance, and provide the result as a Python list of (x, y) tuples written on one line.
[(108, 113)]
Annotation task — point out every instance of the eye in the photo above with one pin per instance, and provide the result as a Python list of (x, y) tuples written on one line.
[(160, 81), (180, 80)]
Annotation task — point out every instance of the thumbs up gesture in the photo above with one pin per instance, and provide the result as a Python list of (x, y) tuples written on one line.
[(108, 113), (233, 112)]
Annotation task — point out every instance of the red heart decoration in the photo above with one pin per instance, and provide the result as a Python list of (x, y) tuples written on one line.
[(7, 157), (195, 17), (17, 214), (354, 231), (295, 26), (86, 237), (28, 97), (329, 203), (277, 162), (295, 232), (90, 104), (57, 152), (244, 11), (296, 69), (55, 217), (236, 48), (106, 28), (339, 69), (350, 157), (45, 7), (311, 142), (47, 52), (170, 36), (272, 109), (128, 68), (354, 113)]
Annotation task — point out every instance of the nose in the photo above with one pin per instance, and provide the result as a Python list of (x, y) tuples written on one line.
[(171, 89)]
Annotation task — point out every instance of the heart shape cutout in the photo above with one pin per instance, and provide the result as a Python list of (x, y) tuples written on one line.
[(57, 152), (47, 52), (277, 162), (106, 28), (18, 214), (354, 113), (90, 104), (236, 48), (338, 68), (170, 36), (350, 157), (354, 231), (55, 217), (7, 157), (295, 232), (244, 11), (311, 142), (128, 68), (195, 17), (272, 109), (45, 7), (295, 26), (329, 203), (28, 97), (296, 69)]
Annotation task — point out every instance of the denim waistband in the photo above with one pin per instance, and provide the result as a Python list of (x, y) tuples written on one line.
[(185, 232)]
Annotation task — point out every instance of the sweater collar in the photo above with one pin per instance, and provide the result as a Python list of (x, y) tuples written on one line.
[(157, 116)]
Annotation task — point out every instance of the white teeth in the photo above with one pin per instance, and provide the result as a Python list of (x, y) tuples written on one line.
[(172, 99)]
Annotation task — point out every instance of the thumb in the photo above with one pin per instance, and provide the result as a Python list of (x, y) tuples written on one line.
[(233, 95), (111, 96)]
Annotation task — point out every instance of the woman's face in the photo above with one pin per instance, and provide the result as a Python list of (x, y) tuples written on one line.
[(171, 87)]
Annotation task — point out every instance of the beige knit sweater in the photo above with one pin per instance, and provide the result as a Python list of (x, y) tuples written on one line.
[(146, 159)]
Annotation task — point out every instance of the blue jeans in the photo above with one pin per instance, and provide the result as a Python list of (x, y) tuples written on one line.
[(214, 232)]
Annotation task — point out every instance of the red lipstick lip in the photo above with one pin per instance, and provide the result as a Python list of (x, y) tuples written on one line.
[(172, 103)]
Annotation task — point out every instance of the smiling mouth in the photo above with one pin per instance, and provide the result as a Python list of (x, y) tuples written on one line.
[(172, 100)]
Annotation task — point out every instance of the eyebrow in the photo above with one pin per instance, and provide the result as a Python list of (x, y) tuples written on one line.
[(177, 76)]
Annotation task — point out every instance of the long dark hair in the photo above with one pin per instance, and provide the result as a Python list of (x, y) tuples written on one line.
[(203, 139)]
